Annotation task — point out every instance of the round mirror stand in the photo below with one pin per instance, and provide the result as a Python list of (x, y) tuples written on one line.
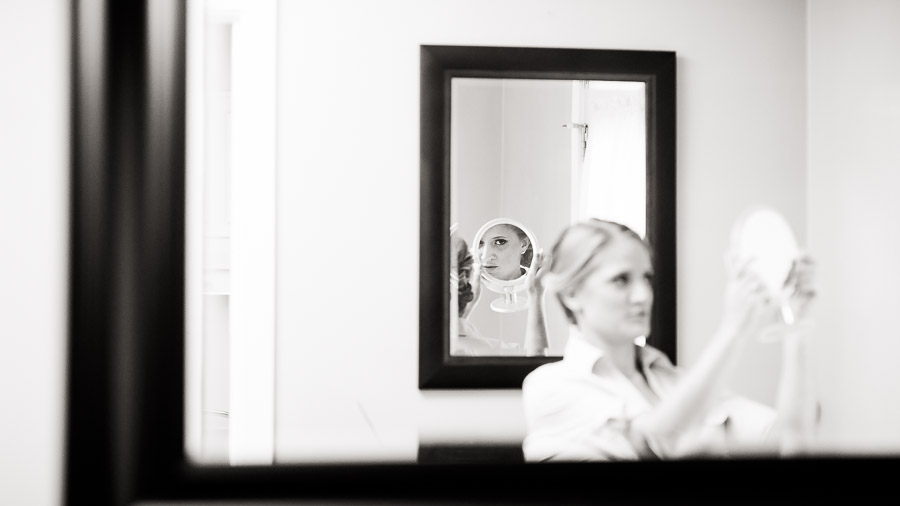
[(510, 302)]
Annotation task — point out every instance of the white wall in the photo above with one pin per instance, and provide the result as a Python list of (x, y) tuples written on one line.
[(854, 173), (34, 183), (349, 201), (476, 161)]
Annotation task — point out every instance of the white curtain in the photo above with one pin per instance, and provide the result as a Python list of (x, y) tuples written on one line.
[(609, 176)]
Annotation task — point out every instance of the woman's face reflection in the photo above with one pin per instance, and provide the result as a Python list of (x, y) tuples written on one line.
[(500, 251)]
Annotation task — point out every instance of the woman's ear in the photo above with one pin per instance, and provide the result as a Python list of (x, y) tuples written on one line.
[(571, 302), (525, 243)]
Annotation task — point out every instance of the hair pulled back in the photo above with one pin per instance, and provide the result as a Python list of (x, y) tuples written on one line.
[(575, 255)]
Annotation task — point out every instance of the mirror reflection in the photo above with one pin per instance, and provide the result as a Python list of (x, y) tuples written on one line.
[(528, 158), (505, 251), (504, 262), (546, 153)]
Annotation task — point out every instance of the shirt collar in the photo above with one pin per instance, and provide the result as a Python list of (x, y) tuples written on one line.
[(582, 355)]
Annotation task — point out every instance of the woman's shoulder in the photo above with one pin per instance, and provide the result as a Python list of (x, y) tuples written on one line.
[(546, 375)]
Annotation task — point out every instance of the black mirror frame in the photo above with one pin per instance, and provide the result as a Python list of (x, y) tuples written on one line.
[(124, 432), (439, 64)]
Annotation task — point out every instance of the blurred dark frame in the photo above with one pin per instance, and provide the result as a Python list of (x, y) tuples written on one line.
[(439, 64), (124, 440)]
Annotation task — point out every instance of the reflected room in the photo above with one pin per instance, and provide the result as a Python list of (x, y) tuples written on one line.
[(529, 157), (340, 310)]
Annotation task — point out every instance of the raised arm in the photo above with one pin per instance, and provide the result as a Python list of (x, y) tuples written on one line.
[(748, 311), (536, 342), (797, 418)]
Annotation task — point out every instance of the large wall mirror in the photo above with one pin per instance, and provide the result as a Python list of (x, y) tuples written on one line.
[(509, 142), (518, 143)]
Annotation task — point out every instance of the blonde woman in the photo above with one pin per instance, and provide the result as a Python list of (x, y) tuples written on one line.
[(612, 399)]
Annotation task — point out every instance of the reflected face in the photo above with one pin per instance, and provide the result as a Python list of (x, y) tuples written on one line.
[(614, 301), (501, 249)]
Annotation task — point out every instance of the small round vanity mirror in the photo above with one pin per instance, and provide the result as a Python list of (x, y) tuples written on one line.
[(505, 249), (762, 239)]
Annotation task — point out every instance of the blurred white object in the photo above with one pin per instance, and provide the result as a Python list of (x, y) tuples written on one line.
[(763, 235), (764, 238)]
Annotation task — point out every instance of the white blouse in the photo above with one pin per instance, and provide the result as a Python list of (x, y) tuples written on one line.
[(580, 408)]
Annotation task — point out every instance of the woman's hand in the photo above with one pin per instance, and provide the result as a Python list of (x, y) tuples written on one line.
[(533, 276), (749, 308), (799, 288)]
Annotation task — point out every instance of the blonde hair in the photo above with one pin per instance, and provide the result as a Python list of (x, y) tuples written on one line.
[(574, 256)]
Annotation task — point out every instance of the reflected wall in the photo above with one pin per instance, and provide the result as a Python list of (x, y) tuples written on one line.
[(375, 186), (730, 153), (853, 170)]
